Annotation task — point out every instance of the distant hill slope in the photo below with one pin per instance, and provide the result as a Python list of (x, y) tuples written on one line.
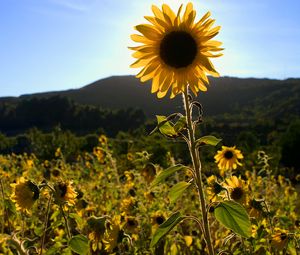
[(225, 95)]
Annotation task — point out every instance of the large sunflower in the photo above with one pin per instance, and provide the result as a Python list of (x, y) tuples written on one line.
[(175, 50)]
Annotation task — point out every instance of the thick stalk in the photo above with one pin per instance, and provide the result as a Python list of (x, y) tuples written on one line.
[(197, 167)]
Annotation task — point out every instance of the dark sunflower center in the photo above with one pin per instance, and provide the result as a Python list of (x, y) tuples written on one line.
[(131, 223), (159, 220), (217, 188), (178, 49), (228, 155), (237, 193), (34, 189), (283, 236), (63, 189)]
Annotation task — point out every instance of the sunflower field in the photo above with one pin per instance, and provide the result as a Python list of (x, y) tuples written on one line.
[(101, 204), (218, 200)]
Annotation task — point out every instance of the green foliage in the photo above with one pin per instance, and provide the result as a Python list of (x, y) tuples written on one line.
[(166, 227), (48, 112), (164, 174), (79, 244), (208, 140), (177, 190), (290, 143), (233, 216)]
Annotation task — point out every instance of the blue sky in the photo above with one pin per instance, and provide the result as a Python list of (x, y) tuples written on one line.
[(50, 45)]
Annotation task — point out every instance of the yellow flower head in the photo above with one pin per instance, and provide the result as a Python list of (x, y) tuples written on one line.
[(237, 188), (25, 193), (157, 218), (175, 50), (131, 224), (214, 188), (102, 140), (112, 234), (279, 239), (65, 193), (228, 158), (96, 227)]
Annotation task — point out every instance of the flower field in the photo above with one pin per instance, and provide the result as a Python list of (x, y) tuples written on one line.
[(101, 204)]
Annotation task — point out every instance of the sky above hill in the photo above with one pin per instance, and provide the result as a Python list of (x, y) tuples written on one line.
[(50, 45)]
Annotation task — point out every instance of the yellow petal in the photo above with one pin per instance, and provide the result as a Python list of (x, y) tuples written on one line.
[(148, 31), (140, 63), (157, 12), (202, 19), (188, 10), (167, 11), (140, 39), (161, 94), (149, 72)]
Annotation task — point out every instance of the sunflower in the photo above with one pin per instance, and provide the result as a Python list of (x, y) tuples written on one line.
[(65, 193), (25, 193), (113, 234), (237, 189), (131, 224), (175, 50), (213, 188), (96, 229), (279, 239), (227, 158)]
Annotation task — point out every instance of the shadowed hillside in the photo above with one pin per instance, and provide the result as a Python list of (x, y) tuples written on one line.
[(265, 97)]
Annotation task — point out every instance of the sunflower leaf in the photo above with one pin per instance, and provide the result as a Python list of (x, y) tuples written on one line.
[(180, 124), (208, 140), (79, 244), (166, 227), (177, 190), (165, 127), (164, 174), (233, 216)]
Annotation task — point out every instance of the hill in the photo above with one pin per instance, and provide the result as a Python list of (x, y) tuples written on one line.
[(225, 95)]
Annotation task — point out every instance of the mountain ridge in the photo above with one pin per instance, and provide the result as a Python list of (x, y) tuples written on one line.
[(224, 95)]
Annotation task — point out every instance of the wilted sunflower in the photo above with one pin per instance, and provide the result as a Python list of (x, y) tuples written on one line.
[(25, 193), (113, 234), (227, 158), (65, 193), (175, 50), (237, 188)]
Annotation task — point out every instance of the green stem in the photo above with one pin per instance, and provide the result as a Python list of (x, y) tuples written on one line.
[(45, 224), (66, 221), (197, 167), (5, 210)]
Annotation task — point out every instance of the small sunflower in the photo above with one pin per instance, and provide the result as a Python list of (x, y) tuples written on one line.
[(25, 193), (279, 239), (131, 224), (237, 189), (213, 188), (65, 193), (228, 158), (175, 50)]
